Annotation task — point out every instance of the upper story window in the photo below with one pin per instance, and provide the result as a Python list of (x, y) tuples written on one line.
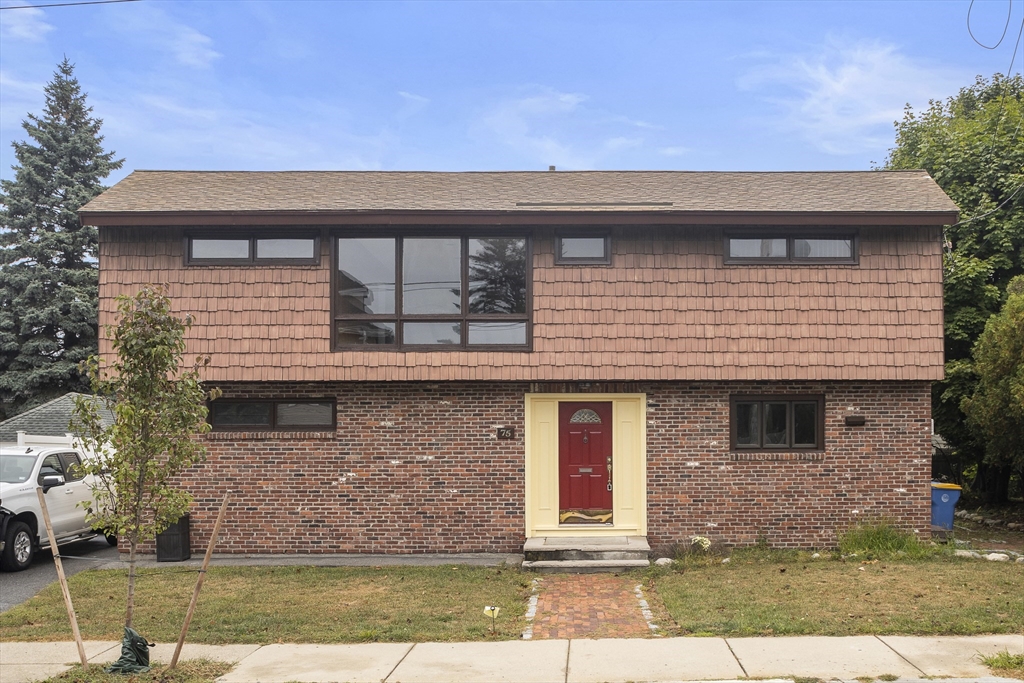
[(243, 249), (582, 248), (791, 248), (437, 292), (777, 422)]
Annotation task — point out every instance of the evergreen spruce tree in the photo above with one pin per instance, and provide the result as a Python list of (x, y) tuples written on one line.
[(48, 265)]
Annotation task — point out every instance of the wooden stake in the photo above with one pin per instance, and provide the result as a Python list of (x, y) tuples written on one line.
[(63, 579), (199, 582)]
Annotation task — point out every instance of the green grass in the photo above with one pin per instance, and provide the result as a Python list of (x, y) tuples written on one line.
[(191, 671), (285, 604), (786, 593), (882, 539), (1005, 664)]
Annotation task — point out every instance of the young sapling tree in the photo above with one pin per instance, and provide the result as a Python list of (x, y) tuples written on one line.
[(158, 406)]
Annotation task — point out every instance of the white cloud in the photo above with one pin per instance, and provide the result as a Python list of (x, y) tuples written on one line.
[(844, 98), (674, 151), (565, 129), (23, 24), (171, 131), (155, 28), (410, 97)]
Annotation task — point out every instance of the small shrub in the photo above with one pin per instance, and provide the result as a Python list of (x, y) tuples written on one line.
[(881, 538)]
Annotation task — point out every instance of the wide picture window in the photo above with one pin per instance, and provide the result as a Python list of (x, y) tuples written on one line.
[(431, 292), (777, 422)]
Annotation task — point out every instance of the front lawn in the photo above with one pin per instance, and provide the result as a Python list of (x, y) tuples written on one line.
[(285, 604), (790, 594)]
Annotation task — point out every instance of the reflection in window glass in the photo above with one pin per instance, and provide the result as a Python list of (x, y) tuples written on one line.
[(75, 469), (285, 248), (497, 333), (432, 333), (583, 248), (366, 276), (431, 276), (497, 276), (305, 414), (757, 248), (363, 333), (243, 414), (747, 424), (775, 424), (822, 248), (805, 424), (220, 249)]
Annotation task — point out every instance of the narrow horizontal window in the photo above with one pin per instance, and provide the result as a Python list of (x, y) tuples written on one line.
[(583, 249), (757, 248), (285, 248), (793, 248), (219, 249), (244, 249), (432, 292), (777, 423), (282, 415)]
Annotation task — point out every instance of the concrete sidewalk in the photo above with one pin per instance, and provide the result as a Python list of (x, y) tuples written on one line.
[(911, 658)]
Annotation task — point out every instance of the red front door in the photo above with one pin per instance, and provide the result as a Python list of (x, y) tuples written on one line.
[(585, 462)]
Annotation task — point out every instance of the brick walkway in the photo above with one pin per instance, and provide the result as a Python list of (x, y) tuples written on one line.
[(588, 606)]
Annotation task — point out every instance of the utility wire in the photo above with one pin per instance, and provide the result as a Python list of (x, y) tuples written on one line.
[(67, 4), (989, 213), (1009, 9)]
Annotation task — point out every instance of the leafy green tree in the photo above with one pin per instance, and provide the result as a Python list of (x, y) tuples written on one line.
[(159, 406), (48, 267), (996, 410), (973, 145)]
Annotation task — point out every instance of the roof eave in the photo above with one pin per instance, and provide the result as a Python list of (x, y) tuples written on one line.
[(517, 217)]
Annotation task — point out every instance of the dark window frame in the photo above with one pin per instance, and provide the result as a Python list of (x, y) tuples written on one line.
[(791, 235), (571, 261), (464, 318), (789, 399), (273, 426), (252, 236)]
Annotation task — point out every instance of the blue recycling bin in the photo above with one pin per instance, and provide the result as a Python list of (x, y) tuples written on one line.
[(944, 498)]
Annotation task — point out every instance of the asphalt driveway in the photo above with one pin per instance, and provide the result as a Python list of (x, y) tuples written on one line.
[(17, 587)]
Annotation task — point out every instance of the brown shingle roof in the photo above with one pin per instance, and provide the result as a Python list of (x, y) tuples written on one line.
[(676, 192)]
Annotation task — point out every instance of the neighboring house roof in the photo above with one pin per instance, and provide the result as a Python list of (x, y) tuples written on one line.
[(679, 196), (49, 419)]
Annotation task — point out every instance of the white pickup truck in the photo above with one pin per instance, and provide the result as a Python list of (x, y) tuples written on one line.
[(51, 464)]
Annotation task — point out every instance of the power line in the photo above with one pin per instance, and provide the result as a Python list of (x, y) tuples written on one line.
[(1009, 9), (67, 4)]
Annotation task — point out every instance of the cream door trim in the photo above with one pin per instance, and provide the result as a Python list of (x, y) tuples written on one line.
[(629, 466)]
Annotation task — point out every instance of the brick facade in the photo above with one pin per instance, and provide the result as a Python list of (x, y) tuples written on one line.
[(416, 467)]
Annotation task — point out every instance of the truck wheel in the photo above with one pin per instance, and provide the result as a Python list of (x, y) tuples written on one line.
[(112, 540), (19, 548)]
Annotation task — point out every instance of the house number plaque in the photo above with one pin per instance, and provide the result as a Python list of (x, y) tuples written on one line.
[(506, 433)]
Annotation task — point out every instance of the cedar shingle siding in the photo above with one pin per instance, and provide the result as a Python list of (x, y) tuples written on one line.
[(666, 309)]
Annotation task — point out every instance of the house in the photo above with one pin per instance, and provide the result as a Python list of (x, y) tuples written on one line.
[(52, 418), (458, 362)]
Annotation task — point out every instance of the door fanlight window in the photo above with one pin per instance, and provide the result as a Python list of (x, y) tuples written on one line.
[(585, 416)]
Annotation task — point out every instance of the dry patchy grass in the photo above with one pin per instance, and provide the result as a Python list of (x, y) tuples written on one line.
[(789, 594), (286, 604), (191, 671)]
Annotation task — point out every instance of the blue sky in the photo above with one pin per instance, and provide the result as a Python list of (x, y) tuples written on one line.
[(499, 86)]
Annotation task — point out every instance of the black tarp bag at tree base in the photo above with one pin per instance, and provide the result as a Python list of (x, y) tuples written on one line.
[(134, 654)]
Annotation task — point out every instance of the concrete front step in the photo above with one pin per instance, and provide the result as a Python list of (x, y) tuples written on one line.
[(583, 566), (586, 553)]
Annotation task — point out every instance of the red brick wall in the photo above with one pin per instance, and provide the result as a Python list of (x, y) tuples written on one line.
[(416, 467)]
